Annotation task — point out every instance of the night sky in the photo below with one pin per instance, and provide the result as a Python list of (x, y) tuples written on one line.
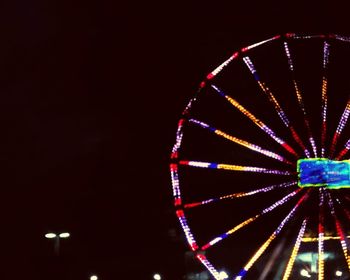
[(91, 92)]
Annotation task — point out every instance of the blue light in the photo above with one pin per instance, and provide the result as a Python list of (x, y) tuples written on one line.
[(323, 172)]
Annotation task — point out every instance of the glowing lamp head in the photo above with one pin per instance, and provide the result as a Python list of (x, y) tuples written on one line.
[(338, 273), (50, 235), (157, 277), (93, 277), (305, 273), (64, 235)]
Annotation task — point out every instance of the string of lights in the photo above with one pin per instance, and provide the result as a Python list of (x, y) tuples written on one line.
[(251, 219), (342, 38), (231, 167), (295, 251), (343, 207), (260, 43), (324, 96), (275, 103), (321, 235), (256, 121), (241, 194), (263, 248), (340, 231), (241, 142), (189, 236), (300, 99), (304, 37), (344, 151), (343, 121), (209, 266)]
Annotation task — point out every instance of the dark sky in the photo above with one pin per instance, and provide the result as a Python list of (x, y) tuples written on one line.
[(90, 96)]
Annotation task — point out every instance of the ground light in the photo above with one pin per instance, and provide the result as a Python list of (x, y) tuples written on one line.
[(157, 277), (338, 273), (305, 273)]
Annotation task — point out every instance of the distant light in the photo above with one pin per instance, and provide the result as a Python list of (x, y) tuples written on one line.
[(93, 277), (157, 277), (305, 273), (338, 273), (223, 275), (64, 235), (50, 235)]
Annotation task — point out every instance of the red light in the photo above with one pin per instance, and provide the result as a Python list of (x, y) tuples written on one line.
[(210, 76), (289, 149), (173, 167), (178, 201), (180, 213)]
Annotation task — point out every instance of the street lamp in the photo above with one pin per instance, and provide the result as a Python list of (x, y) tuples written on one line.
[(57, 237), (157, 277), (338, 273), (93, 277), (50, 235)]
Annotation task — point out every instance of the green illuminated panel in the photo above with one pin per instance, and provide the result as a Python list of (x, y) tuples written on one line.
[(323, 172)]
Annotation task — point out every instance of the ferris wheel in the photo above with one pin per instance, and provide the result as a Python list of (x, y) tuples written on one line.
[(259, 168)]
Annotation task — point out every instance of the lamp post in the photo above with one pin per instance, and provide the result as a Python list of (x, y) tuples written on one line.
[(57, 237)]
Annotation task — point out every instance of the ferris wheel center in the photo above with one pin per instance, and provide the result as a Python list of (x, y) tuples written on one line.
[(323, 172)]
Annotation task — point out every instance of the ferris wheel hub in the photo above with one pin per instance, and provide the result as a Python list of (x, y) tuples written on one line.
[(323, 172)]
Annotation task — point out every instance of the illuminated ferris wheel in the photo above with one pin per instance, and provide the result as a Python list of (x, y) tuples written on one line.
[(259, 168)]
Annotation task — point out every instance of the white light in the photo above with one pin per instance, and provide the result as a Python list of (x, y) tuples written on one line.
[(305, 273), (50, 235), (64, 235), (157, 277), (223, 275), (93, 277), (338, 273)]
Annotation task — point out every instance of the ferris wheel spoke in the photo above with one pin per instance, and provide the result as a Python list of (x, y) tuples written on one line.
[(241, 194), (344, 243), (276, 105), (324, 97), (300, 99), (342, 38), (231, 167), (256, 121), (273, 236), (321, 256), (342, 122), (295, 251), (346, 211), (344, 151), (250, 220), (241, 142)]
